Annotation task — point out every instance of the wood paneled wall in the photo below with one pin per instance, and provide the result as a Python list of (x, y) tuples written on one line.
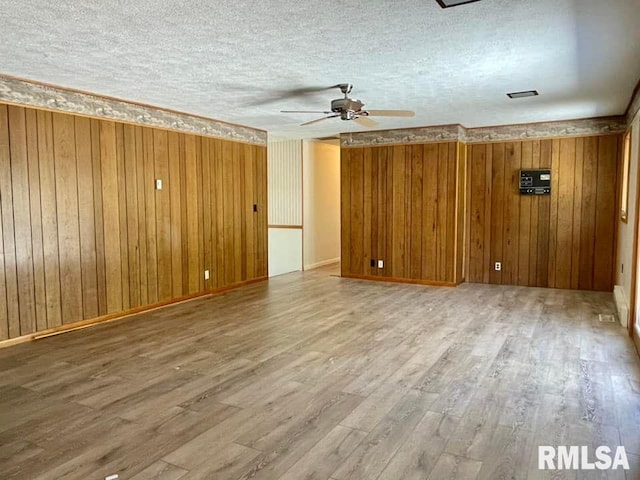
[(84, 233), (401, 204), (565, 240)]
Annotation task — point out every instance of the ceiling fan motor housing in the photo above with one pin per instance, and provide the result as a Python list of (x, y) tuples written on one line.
[(346, 106)]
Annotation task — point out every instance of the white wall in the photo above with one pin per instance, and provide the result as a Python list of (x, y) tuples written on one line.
[(284, 161), (285, 251), (321, 187), (626, 231)]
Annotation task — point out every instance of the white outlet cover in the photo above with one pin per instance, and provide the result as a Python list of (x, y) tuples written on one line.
[(206, 274), (380, 263), (158, 184), (498, 266)]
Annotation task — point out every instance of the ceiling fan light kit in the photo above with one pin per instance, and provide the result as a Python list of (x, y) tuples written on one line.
[(347, 109)]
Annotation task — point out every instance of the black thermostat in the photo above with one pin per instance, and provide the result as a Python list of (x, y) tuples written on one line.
[(535, 182)]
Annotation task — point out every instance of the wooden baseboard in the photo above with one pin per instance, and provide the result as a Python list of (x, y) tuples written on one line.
[(121, 315), (400, 280), (323, 263)]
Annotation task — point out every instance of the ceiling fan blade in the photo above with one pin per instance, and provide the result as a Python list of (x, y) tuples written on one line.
[(318, 120), (365, 122), (279, 95), (305, 111), (391, 113)]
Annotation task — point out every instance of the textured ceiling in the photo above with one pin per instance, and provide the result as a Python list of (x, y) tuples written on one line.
[(233, 60)]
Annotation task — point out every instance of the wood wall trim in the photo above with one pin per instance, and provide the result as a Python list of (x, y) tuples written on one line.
[(21, 92), (297, 227), (634, 105), (400, 280), (490, 134), (123, 315)]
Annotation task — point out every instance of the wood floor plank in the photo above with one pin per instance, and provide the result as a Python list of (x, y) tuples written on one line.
[(161, 471), (313, 376)]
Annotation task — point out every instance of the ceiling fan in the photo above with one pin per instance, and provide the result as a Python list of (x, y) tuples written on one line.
[(351, 109)]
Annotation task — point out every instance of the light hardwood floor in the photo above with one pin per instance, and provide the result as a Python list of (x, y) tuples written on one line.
[(311, 376)]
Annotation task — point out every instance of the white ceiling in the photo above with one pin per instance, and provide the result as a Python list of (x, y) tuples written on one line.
[(233, 60)]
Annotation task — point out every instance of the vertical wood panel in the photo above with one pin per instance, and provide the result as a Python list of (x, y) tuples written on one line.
[(262, 210), (122, 217), (345, 211), (101, 272), (49, 219), (111, 216), (564, 234), (229, 229), (356, 180), (9, 316), (175, 193), (450, 251), (577, 213), (131, 187), (206, 208), (524, 246), (367, 196), (150, 218), (67, 208), (417, 167), (553, 210), (588, 216), (193, 242), (533, 220), (163, 214), (220, 225), (442, 203), (605, 213), (477, 245), (142, 188), (22, 219), (36, 221), (201, 253), (430, 167), (238, 212), (544, 220), (497, 181), (86, 210), (513, 158)]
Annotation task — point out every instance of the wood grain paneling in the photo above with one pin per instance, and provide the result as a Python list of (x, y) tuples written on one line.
[(565, 240), (400, 204), (84, 233)]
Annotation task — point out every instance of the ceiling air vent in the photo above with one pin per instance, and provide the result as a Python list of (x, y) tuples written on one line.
[(454, 3), (528, 93)]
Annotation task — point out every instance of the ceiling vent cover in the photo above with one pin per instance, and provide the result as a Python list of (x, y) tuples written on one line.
[(454, 3), (525, 94)]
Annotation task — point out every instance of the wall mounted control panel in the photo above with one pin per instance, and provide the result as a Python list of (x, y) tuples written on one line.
[(535, 182)]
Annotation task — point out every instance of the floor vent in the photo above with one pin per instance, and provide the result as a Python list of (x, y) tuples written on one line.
[(607, 318)]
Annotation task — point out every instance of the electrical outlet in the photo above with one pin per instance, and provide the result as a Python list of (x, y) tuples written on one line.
[(498, 266), (373, 263), (206, 274), (380, 263), (158, 184)]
